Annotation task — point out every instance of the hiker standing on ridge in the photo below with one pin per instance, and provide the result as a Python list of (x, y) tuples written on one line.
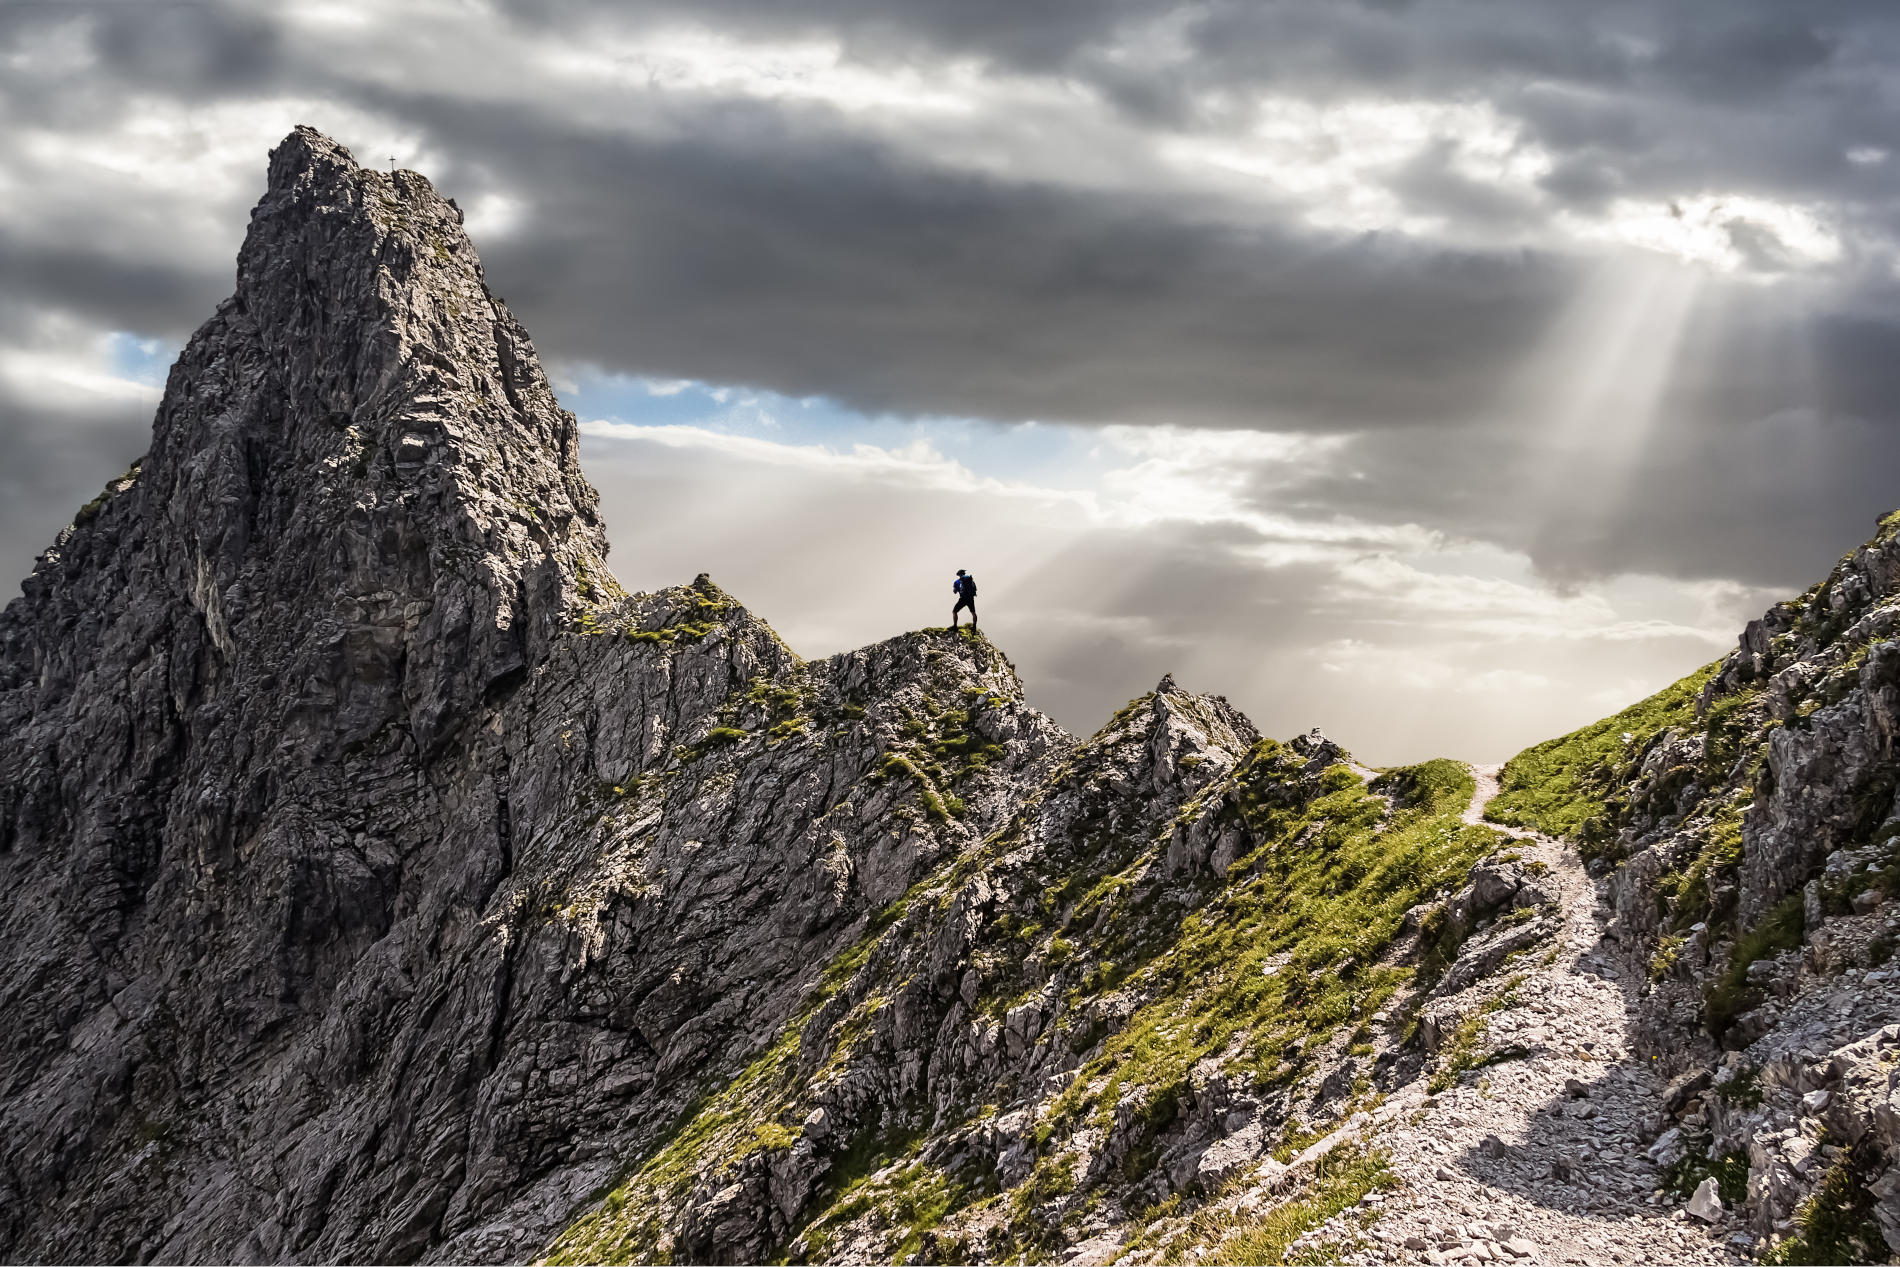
[(965, 588)]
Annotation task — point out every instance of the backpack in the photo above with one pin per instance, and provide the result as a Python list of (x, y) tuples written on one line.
[(966, 586)]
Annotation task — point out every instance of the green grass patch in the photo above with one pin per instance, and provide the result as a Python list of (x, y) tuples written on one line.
[(1439, 786), (1323, 913), (1836, 1224), (1462, 1052), (1561, 787), (1341, 1180), (1719, 856), (1263, 965)]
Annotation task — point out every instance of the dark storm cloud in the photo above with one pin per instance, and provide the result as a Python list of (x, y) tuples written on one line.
[(812, 250), (123, 292), (205, 49), (813, 264)]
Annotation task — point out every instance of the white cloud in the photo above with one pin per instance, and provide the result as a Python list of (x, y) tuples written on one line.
[(1391, 636), (1336, 159), (699, 60), (67, 367), (1705, 228)]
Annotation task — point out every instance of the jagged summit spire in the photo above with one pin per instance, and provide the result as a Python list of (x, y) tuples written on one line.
[(307, 155), (361, 439)]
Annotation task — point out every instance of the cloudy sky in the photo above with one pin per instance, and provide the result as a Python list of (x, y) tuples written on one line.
[(1445, 373)]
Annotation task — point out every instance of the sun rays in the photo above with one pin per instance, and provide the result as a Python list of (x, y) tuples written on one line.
[(1590, 398)]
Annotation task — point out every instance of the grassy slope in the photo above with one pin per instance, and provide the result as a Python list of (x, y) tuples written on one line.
[(1322, 897), (1561, 785)]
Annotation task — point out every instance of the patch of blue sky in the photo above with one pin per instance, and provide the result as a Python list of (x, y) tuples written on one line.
[(1052, 455), (143, 361)]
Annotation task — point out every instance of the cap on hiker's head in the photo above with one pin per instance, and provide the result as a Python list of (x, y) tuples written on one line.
[(959, 571)]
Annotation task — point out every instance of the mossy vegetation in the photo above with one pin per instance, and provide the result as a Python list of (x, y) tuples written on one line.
[(909, 1193), (1836, 1223), (942, 747), (1270, 966), (628, 1224), (1341, 1180), (596, 587), (1663, 961), (695, 620), (1344, 1178), (1438, 786), (1464, 1051), (90, 511), (1730, 994), (1692, 892), (732, 1122)]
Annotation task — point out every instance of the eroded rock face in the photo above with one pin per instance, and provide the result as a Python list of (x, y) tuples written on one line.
[(376, 874), (1755, 850)]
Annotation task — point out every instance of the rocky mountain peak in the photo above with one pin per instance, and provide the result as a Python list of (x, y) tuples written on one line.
[(359, 472)]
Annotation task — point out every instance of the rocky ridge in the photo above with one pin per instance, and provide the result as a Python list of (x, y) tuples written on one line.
[(384, 883)]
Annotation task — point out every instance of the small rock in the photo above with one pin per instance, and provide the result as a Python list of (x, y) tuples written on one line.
[(1816, 1101), (1705, 1203), (1668, 1148), (1866, 901), (1446, 1175), (1520, 1247), (1416, 1244), (1575, 1089), (1684, 1089), (1492, 1146)]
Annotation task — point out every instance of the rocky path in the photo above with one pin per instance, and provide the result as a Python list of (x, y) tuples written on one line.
[(1487, 779), (1540, 1158)]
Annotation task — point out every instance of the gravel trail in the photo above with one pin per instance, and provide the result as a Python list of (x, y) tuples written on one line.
[(1541, 1158)]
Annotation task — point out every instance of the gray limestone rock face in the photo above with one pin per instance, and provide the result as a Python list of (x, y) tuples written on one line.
[(229, 699)]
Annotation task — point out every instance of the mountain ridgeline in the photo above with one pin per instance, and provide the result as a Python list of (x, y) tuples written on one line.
[(383, 883)]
